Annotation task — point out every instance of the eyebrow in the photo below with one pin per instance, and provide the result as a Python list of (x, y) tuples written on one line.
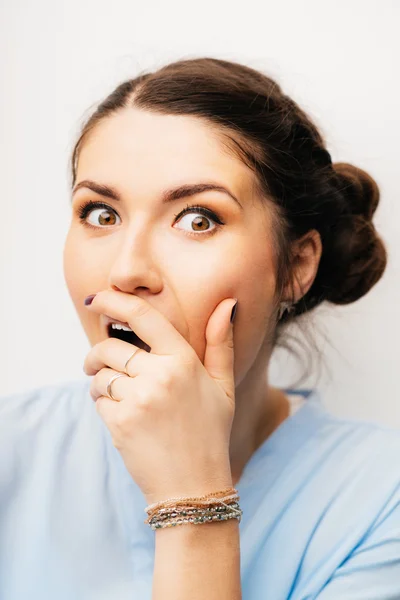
[(183, 191)]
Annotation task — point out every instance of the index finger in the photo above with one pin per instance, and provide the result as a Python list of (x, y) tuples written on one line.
[(145, 320)]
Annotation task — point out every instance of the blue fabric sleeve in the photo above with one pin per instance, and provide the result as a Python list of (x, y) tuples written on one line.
[(372, 571)]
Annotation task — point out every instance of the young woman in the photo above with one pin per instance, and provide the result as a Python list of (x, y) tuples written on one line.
[(206, 216)]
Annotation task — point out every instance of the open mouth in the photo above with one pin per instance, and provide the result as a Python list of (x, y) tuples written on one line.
[(127, 336)]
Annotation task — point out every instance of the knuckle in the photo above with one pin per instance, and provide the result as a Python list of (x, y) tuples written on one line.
[(166, 381), (152, 400), (99, 406), (120, 421), (97, 357), (144, 402), (96, 353), (176, 369), (123, 426), (165, 377), (93, 388), (140, 309)]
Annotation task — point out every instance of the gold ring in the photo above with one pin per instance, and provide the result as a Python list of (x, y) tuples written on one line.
[(126, 364), (109, 393)]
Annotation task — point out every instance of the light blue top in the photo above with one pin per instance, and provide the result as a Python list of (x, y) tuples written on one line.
[(320, 501)]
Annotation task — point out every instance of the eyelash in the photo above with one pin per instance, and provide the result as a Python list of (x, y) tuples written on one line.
[(86, 208)]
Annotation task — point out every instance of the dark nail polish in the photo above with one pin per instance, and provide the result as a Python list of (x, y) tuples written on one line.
[(234, 312), (89, 299)]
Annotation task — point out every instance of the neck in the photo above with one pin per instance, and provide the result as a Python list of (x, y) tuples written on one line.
[(259, 410)]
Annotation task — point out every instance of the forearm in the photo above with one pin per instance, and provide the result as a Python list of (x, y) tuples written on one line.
[(200, 562)]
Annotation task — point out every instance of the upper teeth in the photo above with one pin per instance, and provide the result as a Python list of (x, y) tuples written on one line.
[(119, 326)]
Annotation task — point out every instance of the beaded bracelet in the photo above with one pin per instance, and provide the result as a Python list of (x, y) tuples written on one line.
[(196, 517), (216, 506)]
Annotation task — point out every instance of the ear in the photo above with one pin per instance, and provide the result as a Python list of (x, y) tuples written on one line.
[(307, 253)]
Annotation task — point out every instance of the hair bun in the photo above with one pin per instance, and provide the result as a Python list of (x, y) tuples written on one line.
[(358, 187), (356, 249)]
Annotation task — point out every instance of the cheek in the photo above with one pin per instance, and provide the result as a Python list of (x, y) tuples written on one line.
[(81, 269), (252, 322), (81, 281), (73, 265), (252, 281)]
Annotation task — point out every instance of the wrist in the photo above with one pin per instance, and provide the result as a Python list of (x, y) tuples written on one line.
[(189, 489)]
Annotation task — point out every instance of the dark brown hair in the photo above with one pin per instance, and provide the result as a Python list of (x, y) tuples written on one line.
[(280, 143)]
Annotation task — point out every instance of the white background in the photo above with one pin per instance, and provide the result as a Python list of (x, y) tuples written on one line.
[(339, 61)]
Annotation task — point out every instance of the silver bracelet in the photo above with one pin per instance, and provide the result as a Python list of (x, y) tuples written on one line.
[(196, 516)]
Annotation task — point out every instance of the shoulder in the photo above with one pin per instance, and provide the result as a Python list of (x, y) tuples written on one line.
[(352, 506), (350, 468), (336, 484), (363, 442), (338, 460), (38, 426), (64, 391), (66, 402), (343, 436)]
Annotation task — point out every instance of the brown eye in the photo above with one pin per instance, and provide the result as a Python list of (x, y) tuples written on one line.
[(197, 226), (198, 223), (104, 217), (101, 214)]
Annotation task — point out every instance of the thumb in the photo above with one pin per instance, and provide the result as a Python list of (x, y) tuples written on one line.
[(219, 353)]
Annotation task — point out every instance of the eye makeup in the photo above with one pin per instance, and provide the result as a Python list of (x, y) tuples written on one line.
[(91, 205)]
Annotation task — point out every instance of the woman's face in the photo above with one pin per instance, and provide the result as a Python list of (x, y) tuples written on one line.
[(183, 265)]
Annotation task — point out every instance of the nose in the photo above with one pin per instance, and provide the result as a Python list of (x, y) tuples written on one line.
[(134, 267)]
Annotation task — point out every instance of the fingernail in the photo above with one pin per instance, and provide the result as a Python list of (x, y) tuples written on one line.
[(233, 311), (89, 299)]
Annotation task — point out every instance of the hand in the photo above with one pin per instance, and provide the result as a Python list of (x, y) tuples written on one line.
[(173, 423)]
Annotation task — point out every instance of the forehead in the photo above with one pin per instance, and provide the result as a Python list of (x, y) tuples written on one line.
[(135, 147)]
